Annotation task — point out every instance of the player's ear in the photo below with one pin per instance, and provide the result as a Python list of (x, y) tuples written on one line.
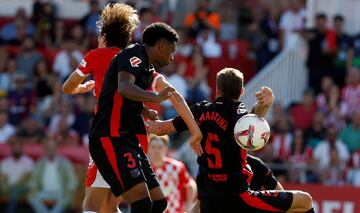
[(160, 44), (242, 91)]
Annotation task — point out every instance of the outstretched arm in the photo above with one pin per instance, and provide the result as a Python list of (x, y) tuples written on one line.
[(182, 108), (265, 98)]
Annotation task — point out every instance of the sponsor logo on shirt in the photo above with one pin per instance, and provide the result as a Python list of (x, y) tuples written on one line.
[(135, 61)]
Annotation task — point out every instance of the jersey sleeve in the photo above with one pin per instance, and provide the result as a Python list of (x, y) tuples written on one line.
[(130, 60), (86, 65), (180, 124), (264, 174)]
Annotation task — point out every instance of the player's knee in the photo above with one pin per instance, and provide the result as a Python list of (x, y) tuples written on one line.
[(159, 206), (141, 206), (87, 205)]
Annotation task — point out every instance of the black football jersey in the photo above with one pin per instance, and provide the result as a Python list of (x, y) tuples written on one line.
[(223, 169), (263, 177), (118, 116)]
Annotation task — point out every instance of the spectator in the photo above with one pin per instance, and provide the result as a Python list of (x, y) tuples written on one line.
[(316, 133), (4, 103), (14, 31), (333, 116), (184, 48), (343, 42), (322, 98), (179, 187), (334, 174), (7, 78), (350, 94), (299, 158), (84, 114), (202, 18), (319, 52), (67, 59), (4, 56), (178, 81), (195, 72), (80, 38), (21, 100), (322, 152), (351, 133), (88, 22), (44, 17), (353, 174), (31, 130), (14, 174), (64, 114), (43, 80), (292, 21), (207, 40), (58, 35), (27, 58), (53, 180), (6, 129), (270, 29), (64, 134), (303, 113), (146, 17), (354, 53), (282, 140)]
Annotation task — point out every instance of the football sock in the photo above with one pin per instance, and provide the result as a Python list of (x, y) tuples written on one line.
[(159, 206), (141, 206)]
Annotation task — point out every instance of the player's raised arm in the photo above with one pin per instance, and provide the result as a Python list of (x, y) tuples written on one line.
[(265, 98), (182, 108)]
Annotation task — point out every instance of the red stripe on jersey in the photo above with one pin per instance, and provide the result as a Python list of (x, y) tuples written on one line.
[(257, 202), (91, 175), (144, 142), (110, 153), (115, 116)]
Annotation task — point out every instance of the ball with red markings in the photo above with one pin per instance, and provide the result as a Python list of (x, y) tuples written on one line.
[(252, 132)]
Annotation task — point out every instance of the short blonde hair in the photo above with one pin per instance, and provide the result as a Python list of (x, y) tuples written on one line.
[(164, 138), (117, 23)]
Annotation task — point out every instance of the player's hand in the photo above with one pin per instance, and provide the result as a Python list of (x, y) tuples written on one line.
[(195, 143), (151, 114), (86, 87), (265, 96), (164, 94)]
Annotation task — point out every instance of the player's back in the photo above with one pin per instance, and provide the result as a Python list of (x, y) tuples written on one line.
[(223, 165), (96, 62)]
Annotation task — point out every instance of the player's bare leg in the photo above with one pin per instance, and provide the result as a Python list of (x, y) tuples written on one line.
[(139, 198), (94, 198), (159, 200), (110, 203), (302, 202)]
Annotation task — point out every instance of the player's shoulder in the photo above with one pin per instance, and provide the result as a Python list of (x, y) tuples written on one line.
[(136, 49)]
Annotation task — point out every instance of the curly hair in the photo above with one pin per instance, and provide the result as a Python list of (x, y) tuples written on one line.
[(159, 30), (229, 82), (117, 23)]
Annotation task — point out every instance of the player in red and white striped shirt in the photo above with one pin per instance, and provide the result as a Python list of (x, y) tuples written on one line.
[(176, 182)]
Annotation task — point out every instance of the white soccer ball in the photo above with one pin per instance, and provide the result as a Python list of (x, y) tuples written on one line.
[(252, 132)]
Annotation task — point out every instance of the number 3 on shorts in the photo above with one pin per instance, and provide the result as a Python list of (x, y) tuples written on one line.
[(130, 160)]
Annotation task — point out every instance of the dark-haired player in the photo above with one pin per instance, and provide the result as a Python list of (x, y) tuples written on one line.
[(118, 126), (224, 175), (116, 24)]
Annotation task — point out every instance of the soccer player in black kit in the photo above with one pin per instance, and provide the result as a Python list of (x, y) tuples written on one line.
[(118, 127), (224, 174)]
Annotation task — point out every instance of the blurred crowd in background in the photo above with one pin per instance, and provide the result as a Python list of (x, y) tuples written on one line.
[(316, 140)]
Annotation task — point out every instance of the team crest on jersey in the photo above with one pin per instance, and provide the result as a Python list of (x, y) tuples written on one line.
[(135, 61), (83, 63)]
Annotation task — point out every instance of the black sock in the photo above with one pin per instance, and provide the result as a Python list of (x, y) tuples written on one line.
[(311, 211), (159, 206), (141, 206)]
